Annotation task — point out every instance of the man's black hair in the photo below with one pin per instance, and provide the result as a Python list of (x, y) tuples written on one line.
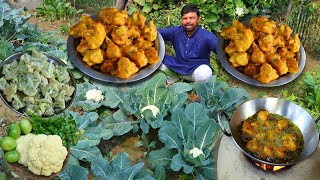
[(190, 8)]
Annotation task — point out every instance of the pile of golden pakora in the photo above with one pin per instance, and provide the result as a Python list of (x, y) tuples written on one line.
[(262, 50), (116, 43)]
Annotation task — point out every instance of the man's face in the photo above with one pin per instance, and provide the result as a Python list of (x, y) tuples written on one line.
[(190, 21)]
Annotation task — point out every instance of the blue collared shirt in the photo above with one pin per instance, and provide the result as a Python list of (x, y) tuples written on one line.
[(191, 52)]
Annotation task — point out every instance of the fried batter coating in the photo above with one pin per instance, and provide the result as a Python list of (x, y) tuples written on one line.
[(255, 22), (293, 44), (293, 65), (257, 55), (106, 15), (228, 32), (93, 57), (120, 36), (141, 43), (277, 63), (134, 31), (137, 19), (95, 37), (266, 42), (239, 59), (126, 68), (243, 40), (82, 47), (152, 55), (279, 42), (267, 74), (285, 53), (109, 66), (284, 31), (85, 23), (231, 48), (251, 69), (135, 55), (267, 27), (149, 32), (113, 51)]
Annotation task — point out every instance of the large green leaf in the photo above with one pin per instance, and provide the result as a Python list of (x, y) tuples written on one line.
[(100, 131), (119, 123), (112, 97), (86, 153), (168, 135), (177, 163), (89, 141), (161, 157), (205, 134), (120, 162), (182, 123), (84, 120), (100, 167), (74, 172)]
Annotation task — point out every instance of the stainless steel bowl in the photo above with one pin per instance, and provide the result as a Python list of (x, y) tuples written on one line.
[(52, 59), (295, 113)]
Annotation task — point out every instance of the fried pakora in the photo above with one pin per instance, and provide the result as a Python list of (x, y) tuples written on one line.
[(141, 43), (293, 65), (135, 55), (113, 51), (269, 44), (109, 66), (266, 42), (120, 36), (149, 32), (294, 43), (95, 37), (116, 43), (93, 57), (239, 59), (152, 55), (137, 19), (257, 55), (266, 74), (126, 68), (243, 40), (278, 63), (85, 23)]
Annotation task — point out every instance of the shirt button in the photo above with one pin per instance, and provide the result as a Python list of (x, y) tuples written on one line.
[(187, 45), (186, 52)]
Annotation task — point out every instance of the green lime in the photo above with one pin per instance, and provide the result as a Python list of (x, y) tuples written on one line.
[(25, 126), (12, 156), (14, 130), (8, 143)]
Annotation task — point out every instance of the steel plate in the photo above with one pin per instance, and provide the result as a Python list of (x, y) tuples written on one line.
[(52, 59), (76, 58), (224, 60)]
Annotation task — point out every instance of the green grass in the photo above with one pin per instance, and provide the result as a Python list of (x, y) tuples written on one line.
[(93, 6)]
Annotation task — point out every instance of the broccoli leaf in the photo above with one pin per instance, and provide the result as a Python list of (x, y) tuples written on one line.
[(100, 131), (84, 120), (177, 163), (74, 172), (112, 97)]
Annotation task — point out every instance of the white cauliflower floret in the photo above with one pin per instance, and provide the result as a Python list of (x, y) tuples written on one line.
[(22, 148), (154, 109), (195, 152), (42, 154), (94, 94)]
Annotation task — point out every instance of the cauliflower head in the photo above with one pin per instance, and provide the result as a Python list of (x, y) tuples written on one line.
[(95, 95), (42, 154)]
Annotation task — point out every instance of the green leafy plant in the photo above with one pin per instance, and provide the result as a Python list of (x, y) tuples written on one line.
[(56, 9)]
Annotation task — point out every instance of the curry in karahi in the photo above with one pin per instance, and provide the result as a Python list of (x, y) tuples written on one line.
[(271, 137)]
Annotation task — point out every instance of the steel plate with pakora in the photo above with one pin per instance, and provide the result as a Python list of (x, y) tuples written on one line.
[(116, 44), (261, 50)]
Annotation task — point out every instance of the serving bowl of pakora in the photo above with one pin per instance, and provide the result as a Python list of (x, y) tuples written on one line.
[(115, 47), (36, 83), (272, 131), (261, 52)]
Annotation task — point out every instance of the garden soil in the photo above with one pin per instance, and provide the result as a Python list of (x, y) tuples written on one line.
[(7, 115)]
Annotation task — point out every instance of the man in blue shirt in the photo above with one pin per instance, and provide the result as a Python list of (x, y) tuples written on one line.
[(192, 45)]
